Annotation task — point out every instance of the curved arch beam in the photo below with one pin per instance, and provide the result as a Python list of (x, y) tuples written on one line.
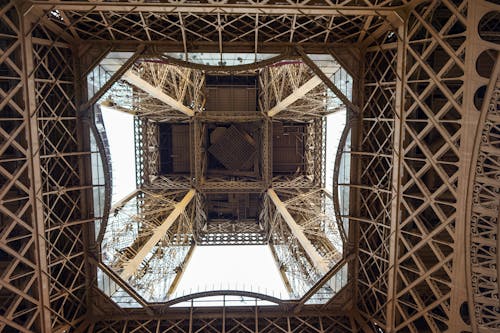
[(223, 293), (108, 180), (483, 212), (336, 172), (287, 55)]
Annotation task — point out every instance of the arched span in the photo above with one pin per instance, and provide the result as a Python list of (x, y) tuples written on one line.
[(336, 172), (103, 153), (482, 243), (287, 55), (211, 293)]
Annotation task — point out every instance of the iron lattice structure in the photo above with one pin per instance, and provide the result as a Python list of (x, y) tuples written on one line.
[(158, 225), (422, 211)]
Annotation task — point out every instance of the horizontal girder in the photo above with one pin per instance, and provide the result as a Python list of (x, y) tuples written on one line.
[(208, 7)]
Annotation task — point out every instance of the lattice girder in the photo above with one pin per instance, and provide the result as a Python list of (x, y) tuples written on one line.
[(43, 188), (224, 26), (425, 190), (147, 239)]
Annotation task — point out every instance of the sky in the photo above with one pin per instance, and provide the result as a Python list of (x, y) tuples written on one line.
[(120, 132), (248, 268), (335, 124)]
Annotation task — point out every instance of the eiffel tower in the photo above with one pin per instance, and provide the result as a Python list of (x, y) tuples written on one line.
[(392, 226)]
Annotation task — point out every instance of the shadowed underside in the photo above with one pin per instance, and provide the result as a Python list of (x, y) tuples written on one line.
[(420, 220)]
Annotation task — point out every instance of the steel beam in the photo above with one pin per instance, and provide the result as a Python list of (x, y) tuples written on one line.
[(133, 264), (118, 283), (396, 194), (284, 278), (135, 80), (478, 212), (181, 270), (318, 285), (156, 92), (115, 77), (197, 150), (267, 154), (118, 108), (229, 116), (233, 186), (119, 205), (297, 94), (318, 261), (38, 15), (224, 8), (326, 80), (276, 47), (35, 175)]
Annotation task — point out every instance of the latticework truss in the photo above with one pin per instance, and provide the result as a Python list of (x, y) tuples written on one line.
[(419, 127), (421, 251), (147, 239), (486, 205), (253, 322), (226, 25), (182, 85), (174, 87)]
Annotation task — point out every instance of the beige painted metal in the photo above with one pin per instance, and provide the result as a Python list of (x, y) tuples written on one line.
[(156, 92), (43, 192), (297, 94), (120, 203), (280, 268), (250, 319), (327, 80), (241, 8), (31, 118), (433, 139), (111, 105), (131, 266), (115, 77), (318, 261), (470, 128), (396, 183), (479, 208), (291, 91), (181, 270)]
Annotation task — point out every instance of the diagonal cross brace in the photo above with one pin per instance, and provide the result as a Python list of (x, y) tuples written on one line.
[(156, 92), (297, 94), (131, 266), (316, 258), (308, 61), (132, 78)]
